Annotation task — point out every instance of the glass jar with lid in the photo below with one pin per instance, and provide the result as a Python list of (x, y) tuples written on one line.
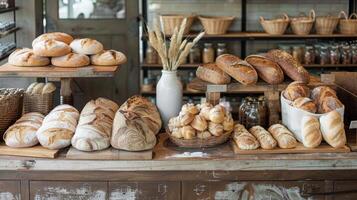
[(346, 55), (324, 55), (208, 53), (309, 55), (334, 55), (195, 55), (297, 53), (354, 54), (221, 49), (252, 115), (151, 55)]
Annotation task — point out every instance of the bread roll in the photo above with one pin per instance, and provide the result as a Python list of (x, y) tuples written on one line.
[(23, 132), (310, 132), (58, 127), (26, 58), (62, 37), (71, 60), (86, 46), (283, 136), (108, 57), (332, 129), (177, 133), (136, 124), (215, 129), (203, 135), (191, 108), (211, 73), (184, 119), (48, 88), (228, 122), (199, 123), (328, 104), (267, 69), (188, 132), (295, 90), (30, 87), (290, 65), (95, 125), (205, 109), (306, 104), (37, 89), (240, 70), (51, 48), (216, 114), (264, 137), (244, 139)]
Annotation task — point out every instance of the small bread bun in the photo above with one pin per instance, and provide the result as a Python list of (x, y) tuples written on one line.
[(26, 58), (306, 104), (216, 114), (38, 88), (71, 60), (204, 135), (215, 129), (62, 37), (30, 87), (86, 46), (188, 132), (48, 88), (199, 123), (191, 108), (108, 57), (51, 48)]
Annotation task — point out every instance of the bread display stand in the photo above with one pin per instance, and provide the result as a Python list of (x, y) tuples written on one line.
[(35, 151), (109, 154), (65, 75)]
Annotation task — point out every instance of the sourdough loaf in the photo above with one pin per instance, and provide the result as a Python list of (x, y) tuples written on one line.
[(26, 58), (62, 37), (296, 90), (211, 73), (265, 139), (86, 46), (332, 129), (310, 131), (244, 139), (283, 136), (51, 48), (267, 69), (306, 104), (71, 60), (108, 57)]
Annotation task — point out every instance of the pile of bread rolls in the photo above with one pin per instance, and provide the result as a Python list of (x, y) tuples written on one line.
[(270, 67), (40, 88), (60, 49), (201, 121)]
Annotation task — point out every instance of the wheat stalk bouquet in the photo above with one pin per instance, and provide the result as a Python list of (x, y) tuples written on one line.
[(174, 55)]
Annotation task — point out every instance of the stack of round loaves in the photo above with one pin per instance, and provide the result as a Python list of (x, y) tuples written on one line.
[(201, 121), (62, 50)]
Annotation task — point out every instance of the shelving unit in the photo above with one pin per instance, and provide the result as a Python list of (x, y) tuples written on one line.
[(10, 31)]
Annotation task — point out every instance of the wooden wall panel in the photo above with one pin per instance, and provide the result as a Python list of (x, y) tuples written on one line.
[(10, 190)]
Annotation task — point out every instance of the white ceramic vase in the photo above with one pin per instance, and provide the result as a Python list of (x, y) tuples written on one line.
[(169, 95)]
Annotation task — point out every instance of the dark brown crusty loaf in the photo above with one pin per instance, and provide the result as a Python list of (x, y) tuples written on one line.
[(211, 73), (290, 65), (240, 70), (267, 69)]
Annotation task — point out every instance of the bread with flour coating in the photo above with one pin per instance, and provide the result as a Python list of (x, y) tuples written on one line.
[(211, 73), (51, 48), (86, 46), (244, 139), (26, 58), (310, 131), (59, 36), (332, 129), (283, 136), (265, 139), (71, 60), (108, 57)]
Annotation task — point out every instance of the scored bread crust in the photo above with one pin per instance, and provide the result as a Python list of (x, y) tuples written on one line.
[(267, 69), (71, 60), (26, 58), (211, 73), (51, 48), (59, 36), (108, 57), (86, 46)]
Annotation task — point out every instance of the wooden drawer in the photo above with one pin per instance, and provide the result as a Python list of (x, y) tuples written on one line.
[(43, 190), (346, 190), (10, 190), (144, 190)]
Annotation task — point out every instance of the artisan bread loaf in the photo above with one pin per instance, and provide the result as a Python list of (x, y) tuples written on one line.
[(306, 104), (321, 92), (40, 88), (26, 58), (267, 69), (283, 136), (244, 139), (108, 57), (264, 137), (48, 88), (62, 37), (58, 127), (211, 73), (332, 129), (86, 46), (328, 104), (95, 125), (71, 60), (290, 65), (51, 48), (217, 114), (23, 132), (240, 70), (310, 131), (296, 90), (136, 124)]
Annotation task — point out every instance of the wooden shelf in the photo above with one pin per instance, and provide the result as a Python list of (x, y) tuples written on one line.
[(8, 32), (185, 92), (5, 10), (159, 66)]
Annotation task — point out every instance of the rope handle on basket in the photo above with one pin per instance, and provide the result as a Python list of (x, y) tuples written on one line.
[(342, 14), (261, 19), (312, 14), (285, 16), (353, 15)]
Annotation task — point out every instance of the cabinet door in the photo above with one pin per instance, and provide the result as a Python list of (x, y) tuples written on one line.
[(42, 190), (160, 190), (9, 190), (345, 190)]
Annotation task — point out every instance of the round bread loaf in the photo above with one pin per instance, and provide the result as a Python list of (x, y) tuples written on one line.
[(328, 104), (86, 46), (295, 90), (51, 48), (108, 57), (63, 37), (211, 73), (321, 92), (26, 58), (71, 60), (306, 104)]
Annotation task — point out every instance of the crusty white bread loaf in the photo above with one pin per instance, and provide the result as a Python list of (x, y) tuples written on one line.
[(244, 139), (62, 37), (95, 125), (310, 131), (37, 89), (135, 125), (295, 90), (23, 132), (26, 58), (40, 88), (211, 73), (108, 57), (265, 139), (86, 46), (71, 60), (306, 104), (58, 127), (332, 129), (283, 136), (51, 48), (267, 69)]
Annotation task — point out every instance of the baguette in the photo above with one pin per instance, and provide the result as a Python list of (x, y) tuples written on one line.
[(267, 69)]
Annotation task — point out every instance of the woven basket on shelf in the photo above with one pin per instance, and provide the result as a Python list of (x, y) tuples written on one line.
[(10, 107), (200, 143), (42, 103), (169, 22), (348, 25), (326, 25), (216, 25), (302, 25), (275, 26)]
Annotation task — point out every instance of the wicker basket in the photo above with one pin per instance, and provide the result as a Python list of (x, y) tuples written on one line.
[(216, 25), (200, 143), (326, 25), (10, 107), (42, 103), (303, 25), (275, 26), (170, 22), (348, 26)]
